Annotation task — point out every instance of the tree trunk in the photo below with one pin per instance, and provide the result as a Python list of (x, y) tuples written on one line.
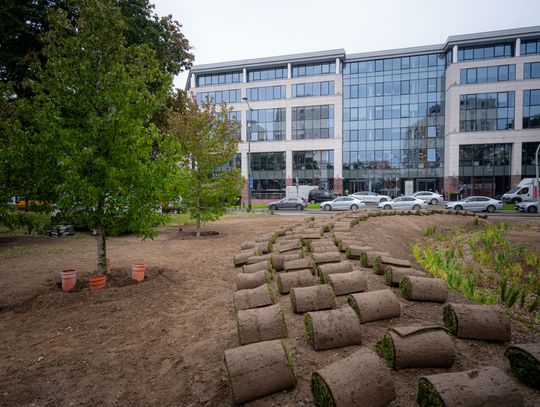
[(101, 249), (198, 226)]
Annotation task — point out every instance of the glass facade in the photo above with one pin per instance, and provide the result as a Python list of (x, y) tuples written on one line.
[(266, 93), (528, 160), (266, 124), (312, 89), (530, 47), (309, 122), (504, 50), (236, 115), (314, 168), (221, 78), (320, 68), (268, 172), (221, 96), (531, 109), (486, 111), (393, 124), (531, 70), (267, 74), (488, 74)]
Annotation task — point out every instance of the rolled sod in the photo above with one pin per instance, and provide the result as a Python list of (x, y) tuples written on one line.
[(314, 298), (371, 258), (360, 379), (314, 244), (337, 236), (525, 363), (287, 247), (375, 305), (378, 265), (255, 267), (280, 232), (342, 229), (393, 275), (311, 236), (423, 289), (355, 251), (245, 281), (241, 258), (247, 245), (486, 322), (278, 260), (293, 236), (261, 324), (254, 297), (299, 278), (264, 247), (259, 259), (270, 237), (259, 369), (327, 248), (488, 386), (298, 264), (324, 258), (333, 328), (417, 347), (333, 268), (347, 283)]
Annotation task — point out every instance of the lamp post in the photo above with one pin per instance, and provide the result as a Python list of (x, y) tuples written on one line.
[(248, 136), (537, 183)]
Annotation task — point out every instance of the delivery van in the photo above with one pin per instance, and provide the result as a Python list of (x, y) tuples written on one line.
[(524, 191)]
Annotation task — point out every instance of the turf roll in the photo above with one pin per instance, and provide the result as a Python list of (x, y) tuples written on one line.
[(355, 251), (423, 289), (311, 235), (298, 278), (260, 324), (269, 237), (314, 244), (245, 281), (334, 268), (371, 258), (254, 297), (289, 246), (525, 363), (393, 275), (416, 347), (327, 257), (375, 305), (389, 261), (278, 260), (485, 322), (259, 259), (241, 258), (347, 283), (314, 298), (327, 248), (255, 267), (298, 264), (247, 246), (292, 236), (343, 244), (342, 229), (488, 386), (360, 379), (333, 328), (259, 369)]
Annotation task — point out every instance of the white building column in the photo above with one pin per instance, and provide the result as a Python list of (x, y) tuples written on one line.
[(288, 164), (244, 75), (515, 165), (244, 163), (517, 51), (454, 54), (193, 82), (289, 71), (337, 66)]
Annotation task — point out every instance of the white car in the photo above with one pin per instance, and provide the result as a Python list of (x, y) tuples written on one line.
[(343, 203), (475, 203), (403, 202), (527, 206), (429, 197), (368, 196)]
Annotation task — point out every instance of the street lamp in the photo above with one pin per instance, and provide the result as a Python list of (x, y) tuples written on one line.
[(248, 136), (537, 183)]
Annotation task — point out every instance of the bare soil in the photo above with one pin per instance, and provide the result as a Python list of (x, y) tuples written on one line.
[(161, 342)]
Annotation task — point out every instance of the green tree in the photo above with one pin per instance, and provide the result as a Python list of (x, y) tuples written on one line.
[(94, 99), (208, 144)]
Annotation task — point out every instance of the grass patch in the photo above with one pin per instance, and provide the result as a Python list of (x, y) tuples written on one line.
[(387, 276), (427, 396), (354, 305), (279, 284), (449, 319), (292, 296), (321, 393), (430, 230), (272, 296), (524, 367), (308, 325), (290, 360), (377, 262), (406, 287), (385, 348), (363, 259), (508, 207)]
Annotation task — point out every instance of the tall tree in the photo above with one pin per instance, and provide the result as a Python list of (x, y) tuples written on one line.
[(208, 144)]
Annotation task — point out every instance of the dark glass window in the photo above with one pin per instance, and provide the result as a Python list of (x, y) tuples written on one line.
[(321, 68), (486, 111), (314, 168), (267, 74), (528, 159), (219, 78), (530, 47), (531, 109), (266, 124), (488, 74), (268, 172), (266, 93), (218, 97), (312, 89), (531, 70), (236, 115), (486, 52), (309, 122)]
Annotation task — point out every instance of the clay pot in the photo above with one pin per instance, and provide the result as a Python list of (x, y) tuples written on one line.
[(108, 265), (97, 282), (69, 279), (137, 271)]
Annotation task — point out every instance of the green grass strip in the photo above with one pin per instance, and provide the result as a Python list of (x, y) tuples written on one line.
[(406, 287), (272, 296), (388, 275), (279, 284), (385, 349), (293, 300), (363, 259), (348, 252), (290, 360), (450, 320), (354, 305), (268, 277), (284, 322), (427, 396), (321, 393), (308, 325), (228, 375), (524, 367), (377, 262)]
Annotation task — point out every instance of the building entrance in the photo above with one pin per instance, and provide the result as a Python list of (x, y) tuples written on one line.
[(426, 184)]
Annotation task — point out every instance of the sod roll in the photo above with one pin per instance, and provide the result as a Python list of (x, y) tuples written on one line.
[(347, 283), (417, 347), (264, 247), (327, 248), (333, 328), (342, 229), (423, 289), (375, 305), (247, 245), (254, 297), (360, 379), (345, 243), (525, 363), (255, 267), (355, 251), (328, 257), (278, 260), (371, 258), (259, 259), (292, 236), (393, 275), (488, 386), (242, 257), (259, 369), (298, 264), (245, 281), (269, 237), (311, 235), (287, 247), (378, 267), (486, 322), (314, 244), (298, 278), (314, 298), (260, 324), (334, 268)]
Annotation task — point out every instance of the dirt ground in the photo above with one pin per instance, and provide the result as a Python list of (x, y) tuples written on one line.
[(161, 342)]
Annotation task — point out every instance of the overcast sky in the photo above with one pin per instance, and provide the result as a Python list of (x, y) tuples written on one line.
[(227, 30)]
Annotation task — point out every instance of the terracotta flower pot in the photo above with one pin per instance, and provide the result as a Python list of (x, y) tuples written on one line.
[(137, 271), (97, 282), (108, 265), (69, 279)]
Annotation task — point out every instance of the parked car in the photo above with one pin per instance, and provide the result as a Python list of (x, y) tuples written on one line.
[(428, 197), (403, 202), (528, 206), (475, 203), (343, 203), (368, 196), (288, 203), (320, 195)]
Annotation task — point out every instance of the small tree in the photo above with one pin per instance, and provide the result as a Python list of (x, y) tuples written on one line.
[(208, 145)]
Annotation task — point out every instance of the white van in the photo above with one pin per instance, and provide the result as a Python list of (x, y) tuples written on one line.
[(524, 191)]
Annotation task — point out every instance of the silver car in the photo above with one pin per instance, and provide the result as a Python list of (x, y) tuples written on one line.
[(475, 203), (403, 202), (429, 197), (368, 196), (343, 203), (527, 206)]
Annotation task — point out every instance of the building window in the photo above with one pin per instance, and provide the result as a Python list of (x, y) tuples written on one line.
[(237, 116), (218, 97), (219, 78), (486, 111), (488, 74), (528, 159), (314, 168), (313, 89), (530, 47), (531, 109), (309, 122), (266, 93), (531, 70), (267, 74), (321, 68), (268, 172), (486, 52), (266, 124)]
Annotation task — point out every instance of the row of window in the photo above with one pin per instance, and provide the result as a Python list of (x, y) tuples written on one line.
[(266, 93), (266, 124), (531, 70), (394, 64), (396, 133), (219, 78), (484, 155), (313, 160), (320, 68), (530, 47), (313, 122), (267, 74), (397, 111), (393, 159), (396, 88), (220, 96), (486, 111), (486, 52), (531, 109), (488, 74), (312, 89)]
